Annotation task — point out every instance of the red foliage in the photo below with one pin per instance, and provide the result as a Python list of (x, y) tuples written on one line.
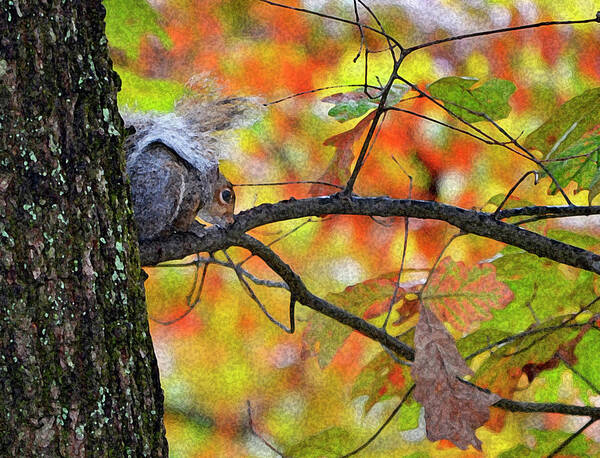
[(551, 41), (589, 59)]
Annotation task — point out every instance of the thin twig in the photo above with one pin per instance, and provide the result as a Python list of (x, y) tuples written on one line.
[(311, 91), (515, 186), (529, 154), (385, 423), (283, 183), (522, 335), (394, 297), (367, 142), (528, 304), (437, 261), (280, 238), (379, 127), (568, 158), (503, 30), (568, 320), (414, 87), (191, 298), (441, 123), (191, 306), (254, 297), (587, 381), (251, 425), (573, 436), (254, 279), (334, 18), (391, 46), (362, 35)]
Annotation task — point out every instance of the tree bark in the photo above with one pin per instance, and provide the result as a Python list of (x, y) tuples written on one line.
[(78, 374)]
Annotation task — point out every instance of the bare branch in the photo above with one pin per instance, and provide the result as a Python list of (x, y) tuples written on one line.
[(367, 143), (385, 423), (436, 263), (572, 436), (253, 429), (404, 248), (491, 32), (491, 139), (541, 407), (441, 123), (191, 305), (475, 222), (311, 91), (515, 186), (548, 330), (522, 335), (283, 183), (550, 211), (334, 18), (258, 302), (305, 297), (300, 293), (515, 142), (391, 46), (281, 237), (253, 278)]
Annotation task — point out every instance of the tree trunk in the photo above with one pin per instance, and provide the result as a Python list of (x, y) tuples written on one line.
[(78, 375)]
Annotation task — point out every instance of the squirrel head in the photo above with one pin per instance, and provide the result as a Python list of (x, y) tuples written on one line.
[(221, 206)]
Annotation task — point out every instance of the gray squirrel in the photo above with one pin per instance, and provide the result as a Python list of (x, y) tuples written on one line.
[(173, 164)]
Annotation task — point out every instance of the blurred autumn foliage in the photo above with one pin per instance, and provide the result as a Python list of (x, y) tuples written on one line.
[(324, 390)]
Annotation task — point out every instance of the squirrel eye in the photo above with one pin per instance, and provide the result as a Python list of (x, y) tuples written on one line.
[(226, 196)]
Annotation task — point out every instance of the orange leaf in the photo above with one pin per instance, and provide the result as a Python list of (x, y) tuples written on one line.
[(338, 169), (462, 296)]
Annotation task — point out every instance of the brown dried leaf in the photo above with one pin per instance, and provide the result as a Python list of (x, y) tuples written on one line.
[(453, 409)]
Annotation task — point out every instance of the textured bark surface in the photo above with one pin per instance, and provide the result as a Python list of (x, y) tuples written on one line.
[(78, 375)]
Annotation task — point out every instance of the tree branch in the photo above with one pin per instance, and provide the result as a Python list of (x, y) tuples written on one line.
[(548, 407), (305, 297), (549, 211), (475, 222), (217, 236), (503, 30)]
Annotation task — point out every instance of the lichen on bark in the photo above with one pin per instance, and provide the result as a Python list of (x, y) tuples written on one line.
[(78, 375)]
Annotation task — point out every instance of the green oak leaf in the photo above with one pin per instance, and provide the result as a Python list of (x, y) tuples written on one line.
[(581, 165), (490, 98), (588, 364), (355, 104), (566, 124), (546, 287)]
